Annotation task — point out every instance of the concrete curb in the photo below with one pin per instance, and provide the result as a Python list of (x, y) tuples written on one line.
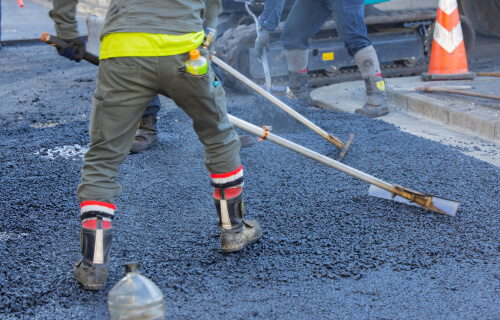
[(447, 113)]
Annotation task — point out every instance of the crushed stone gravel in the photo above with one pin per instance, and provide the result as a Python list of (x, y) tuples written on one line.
[(328, 250)]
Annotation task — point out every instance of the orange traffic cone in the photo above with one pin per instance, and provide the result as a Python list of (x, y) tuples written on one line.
[(448, 58)]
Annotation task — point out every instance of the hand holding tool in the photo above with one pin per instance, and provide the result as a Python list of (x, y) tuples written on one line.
[(61, 44), (262, 42), (74, 50)]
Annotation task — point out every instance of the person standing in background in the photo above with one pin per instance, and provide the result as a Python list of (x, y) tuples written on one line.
[(304, 21)]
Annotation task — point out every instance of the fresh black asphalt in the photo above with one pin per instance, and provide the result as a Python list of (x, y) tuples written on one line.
[(328, 251)]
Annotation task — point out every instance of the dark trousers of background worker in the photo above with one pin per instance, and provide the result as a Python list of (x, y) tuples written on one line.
[(308, 16), (305, 19)]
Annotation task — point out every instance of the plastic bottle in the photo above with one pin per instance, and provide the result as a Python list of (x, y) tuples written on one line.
[(135, 297), (196, 64)]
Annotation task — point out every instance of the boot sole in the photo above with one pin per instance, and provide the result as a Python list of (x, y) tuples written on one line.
[(91, 286), (235, 249), (373, 116), (141, 150)]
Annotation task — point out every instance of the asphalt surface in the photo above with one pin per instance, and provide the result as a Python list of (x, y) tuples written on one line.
[(328, 251)]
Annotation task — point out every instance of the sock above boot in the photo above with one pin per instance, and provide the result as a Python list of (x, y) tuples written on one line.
[(91, 209), (229, 179), (367, 62)]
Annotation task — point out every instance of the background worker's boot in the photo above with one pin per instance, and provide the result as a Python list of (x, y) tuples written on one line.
[(376, 102), (376, 97), (92, 270), (236, 232), (146, 135), (297, 83)]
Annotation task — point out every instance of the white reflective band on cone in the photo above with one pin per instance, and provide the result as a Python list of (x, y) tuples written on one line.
[(448, 6), (448, 40)]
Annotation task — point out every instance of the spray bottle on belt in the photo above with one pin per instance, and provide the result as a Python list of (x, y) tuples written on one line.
[(197, 64)]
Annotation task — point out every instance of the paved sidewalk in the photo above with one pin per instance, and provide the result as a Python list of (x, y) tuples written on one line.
[(30, 22), (475, 115)]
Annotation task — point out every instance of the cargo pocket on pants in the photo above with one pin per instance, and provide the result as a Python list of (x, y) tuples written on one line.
[(96, 118)]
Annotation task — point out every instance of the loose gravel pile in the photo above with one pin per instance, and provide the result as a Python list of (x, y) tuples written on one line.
[(328, 250)]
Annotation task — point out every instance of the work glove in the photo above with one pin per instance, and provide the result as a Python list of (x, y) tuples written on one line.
[(257, 6), (262, 41), (75, 49)]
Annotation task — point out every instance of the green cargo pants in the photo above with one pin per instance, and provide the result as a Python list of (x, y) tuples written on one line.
[(125, 86)]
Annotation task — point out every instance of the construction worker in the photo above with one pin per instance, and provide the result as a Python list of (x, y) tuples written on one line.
[(304, 21), (144, 48)]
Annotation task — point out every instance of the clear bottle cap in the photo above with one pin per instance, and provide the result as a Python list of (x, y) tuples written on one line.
[(131, 267)]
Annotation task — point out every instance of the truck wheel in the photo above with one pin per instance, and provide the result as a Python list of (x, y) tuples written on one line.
[(232, 48), (483, 15), (469, 33)]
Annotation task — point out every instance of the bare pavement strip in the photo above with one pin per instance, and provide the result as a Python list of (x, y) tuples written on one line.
[(471, 125)]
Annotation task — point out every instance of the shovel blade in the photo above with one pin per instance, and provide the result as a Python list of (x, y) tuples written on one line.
[(441, 205)]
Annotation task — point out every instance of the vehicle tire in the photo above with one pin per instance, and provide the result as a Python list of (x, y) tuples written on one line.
[(469, 33), (484, 15), (232, 48)]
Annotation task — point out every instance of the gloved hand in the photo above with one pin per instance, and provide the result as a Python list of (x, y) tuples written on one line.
[(262, 41), (74, 51), (257, 6)]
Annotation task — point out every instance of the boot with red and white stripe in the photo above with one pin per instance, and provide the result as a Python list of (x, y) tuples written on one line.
[(236, 232), (95, 244)]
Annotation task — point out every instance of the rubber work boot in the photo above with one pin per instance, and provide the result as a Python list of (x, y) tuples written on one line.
[(92, 270), (236, 232), (297, 82), (376, 102), (146, 135)]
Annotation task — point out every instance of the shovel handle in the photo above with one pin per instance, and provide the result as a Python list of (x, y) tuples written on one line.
[(61, 44), (263, 53), (488, 74)]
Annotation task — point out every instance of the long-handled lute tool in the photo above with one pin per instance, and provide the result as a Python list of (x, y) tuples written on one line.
[(378, 188), (328, 136)]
